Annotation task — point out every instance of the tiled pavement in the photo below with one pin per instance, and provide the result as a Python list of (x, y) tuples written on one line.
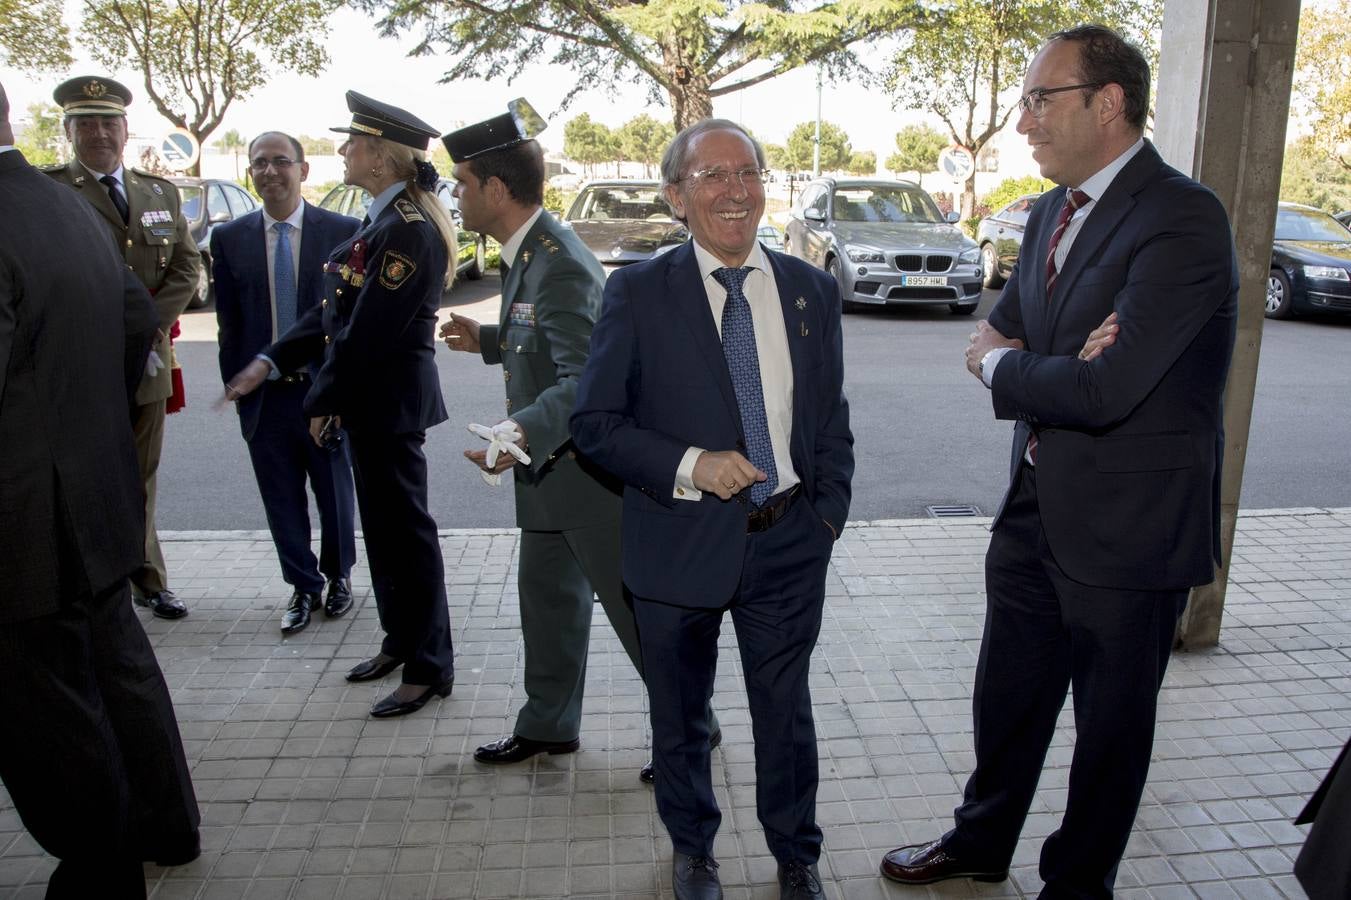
[(304, 796)]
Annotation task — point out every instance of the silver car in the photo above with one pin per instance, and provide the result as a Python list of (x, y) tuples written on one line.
[(886, 243)]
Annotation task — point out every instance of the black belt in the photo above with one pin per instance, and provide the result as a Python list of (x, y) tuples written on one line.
[(765, 517), (295, 378)]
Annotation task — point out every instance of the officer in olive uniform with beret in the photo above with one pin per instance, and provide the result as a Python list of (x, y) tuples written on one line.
[(567, 508), (143, 213), (374, 337)]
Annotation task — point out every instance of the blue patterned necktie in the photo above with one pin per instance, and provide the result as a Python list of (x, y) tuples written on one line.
[(743, 362), (284, 278)]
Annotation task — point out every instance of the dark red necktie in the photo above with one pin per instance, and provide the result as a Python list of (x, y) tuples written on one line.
[(1075, 199)]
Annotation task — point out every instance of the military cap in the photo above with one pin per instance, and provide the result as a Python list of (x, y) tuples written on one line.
[(517, 125), (376, 119), (92, 95)]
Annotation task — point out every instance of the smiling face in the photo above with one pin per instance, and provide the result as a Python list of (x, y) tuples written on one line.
[(98, 141), (723, 219), (1068, 141), (279, 187)]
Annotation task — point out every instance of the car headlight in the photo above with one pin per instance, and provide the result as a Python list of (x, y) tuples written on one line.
[(969, 256), (1326, 272), (864, 254)]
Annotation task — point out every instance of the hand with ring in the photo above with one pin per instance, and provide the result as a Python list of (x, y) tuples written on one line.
[(722, 472)]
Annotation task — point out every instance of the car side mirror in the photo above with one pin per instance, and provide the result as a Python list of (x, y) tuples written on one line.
[(813, 215), (219, 218), (953, 217)]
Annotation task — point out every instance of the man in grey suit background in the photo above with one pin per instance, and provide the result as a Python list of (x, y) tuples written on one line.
[(89, 747)]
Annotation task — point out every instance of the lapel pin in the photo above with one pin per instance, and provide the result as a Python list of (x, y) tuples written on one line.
[(801, 303), (802, 328), (525, 256), (79, 180)]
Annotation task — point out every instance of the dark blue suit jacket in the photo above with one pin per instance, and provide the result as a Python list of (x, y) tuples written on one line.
[(243, 300), (1128, 464), (657, 383)]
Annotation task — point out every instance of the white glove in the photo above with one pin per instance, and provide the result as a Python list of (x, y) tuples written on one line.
[(501, 438), (153, 365)]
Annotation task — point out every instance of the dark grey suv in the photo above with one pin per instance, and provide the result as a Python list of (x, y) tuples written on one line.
[(886, 242)]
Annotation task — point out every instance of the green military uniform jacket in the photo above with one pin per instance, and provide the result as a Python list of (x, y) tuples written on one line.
[(551, 299), (157, 247)]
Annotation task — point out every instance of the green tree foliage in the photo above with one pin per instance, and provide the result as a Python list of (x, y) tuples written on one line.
[(588, 142), (968, 73), (43, 142), (197, 57), (33, 36), (777, 156), (317, 146), (799, 150), (917, 149), (1010, 189), (862, 163), (643, 139), (1311, 175), (1323, 77), (686, 51)]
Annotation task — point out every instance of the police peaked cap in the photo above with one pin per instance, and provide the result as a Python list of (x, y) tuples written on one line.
[(92, 95), (517, 125), (376, 119)]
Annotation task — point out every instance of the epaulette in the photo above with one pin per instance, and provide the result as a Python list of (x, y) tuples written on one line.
[(408, 210), (150, 175), (547, 243), (51, 167)]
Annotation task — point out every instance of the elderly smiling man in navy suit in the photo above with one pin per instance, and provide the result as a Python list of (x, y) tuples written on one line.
[(267, 271), (714, 391)]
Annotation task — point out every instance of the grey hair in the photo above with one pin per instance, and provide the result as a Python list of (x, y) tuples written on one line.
[(676, 157)]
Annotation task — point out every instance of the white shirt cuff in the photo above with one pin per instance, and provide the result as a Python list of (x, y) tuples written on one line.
[(684, 480), (275, 373), (989, 362)]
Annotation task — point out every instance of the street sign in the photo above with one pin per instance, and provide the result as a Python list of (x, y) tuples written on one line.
[(957, 163), (179, 150)]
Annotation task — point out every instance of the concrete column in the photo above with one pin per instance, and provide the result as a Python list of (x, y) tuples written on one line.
[(1223, 100)]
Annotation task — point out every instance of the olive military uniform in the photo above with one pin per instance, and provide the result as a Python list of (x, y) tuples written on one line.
[(159, 250)]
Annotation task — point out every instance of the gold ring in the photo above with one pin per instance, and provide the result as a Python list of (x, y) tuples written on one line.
[(730, 484)]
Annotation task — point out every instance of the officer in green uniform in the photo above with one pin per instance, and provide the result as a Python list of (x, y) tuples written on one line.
[(143, 213), (567, 508)]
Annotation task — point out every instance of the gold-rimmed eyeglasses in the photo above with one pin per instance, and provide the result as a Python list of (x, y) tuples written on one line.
[(721, 178), (1034, 102)]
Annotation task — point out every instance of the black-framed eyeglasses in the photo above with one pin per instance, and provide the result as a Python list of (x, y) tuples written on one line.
[(721, 178), (259, 165), (1034, 102)]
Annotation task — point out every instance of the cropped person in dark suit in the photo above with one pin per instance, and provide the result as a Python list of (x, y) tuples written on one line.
[(375, 335), (714, 391), (89, 747), (143, 214), (1109, 348), (267, 268)]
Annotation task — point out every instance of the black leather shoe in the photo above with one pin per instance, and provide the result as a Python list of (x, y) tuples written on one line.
[(647, 774), (799, 881), (163, 604), (927, 863), (373, 668), (695, 878), (297, 614), (339, 599), (514, 749), (389, 707)]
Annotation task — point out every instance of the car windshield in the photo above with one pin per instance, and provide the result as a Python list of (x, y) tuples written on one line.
[(883, 203), (1309, 225), (192, 201), (619, 202)]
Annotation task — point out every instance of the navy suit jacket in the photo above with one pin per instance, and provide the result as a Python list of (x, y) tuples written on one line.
[(657, 383), (1128, 464), (243, 299)]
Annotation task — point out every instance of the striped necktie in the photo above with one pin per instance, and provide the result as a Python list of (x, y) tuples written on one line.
[(1075, 199)]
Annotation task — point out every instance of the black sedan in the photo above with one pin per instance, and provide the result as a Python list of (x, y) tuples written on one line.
[(1000, 236), (624, 222), (208, 202), (1310, 263)]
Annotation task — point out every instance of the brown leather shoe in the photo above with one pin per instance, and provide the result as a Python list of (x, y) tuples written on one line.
[(927, 863)]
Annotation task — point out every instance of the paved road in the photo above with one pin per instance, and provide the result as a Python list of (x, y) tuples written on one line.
[(923, 428)]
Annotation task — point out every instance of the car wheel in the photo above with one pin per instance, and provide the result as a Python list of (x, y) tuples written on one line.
[(1279, 301), (989, 266), (475, 270), (202, 295), (837, 272), (962, 309)]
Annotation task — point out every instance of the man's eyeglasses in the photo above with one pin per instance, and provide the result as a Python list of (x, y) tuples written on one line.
[(721, 178), (1034, 102), (259, 164)]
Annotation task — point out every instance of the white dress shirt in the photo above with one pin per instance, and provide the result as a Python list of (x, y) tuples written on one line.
[(119, 175), (295, 220), (513, 243), (776, 366)]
